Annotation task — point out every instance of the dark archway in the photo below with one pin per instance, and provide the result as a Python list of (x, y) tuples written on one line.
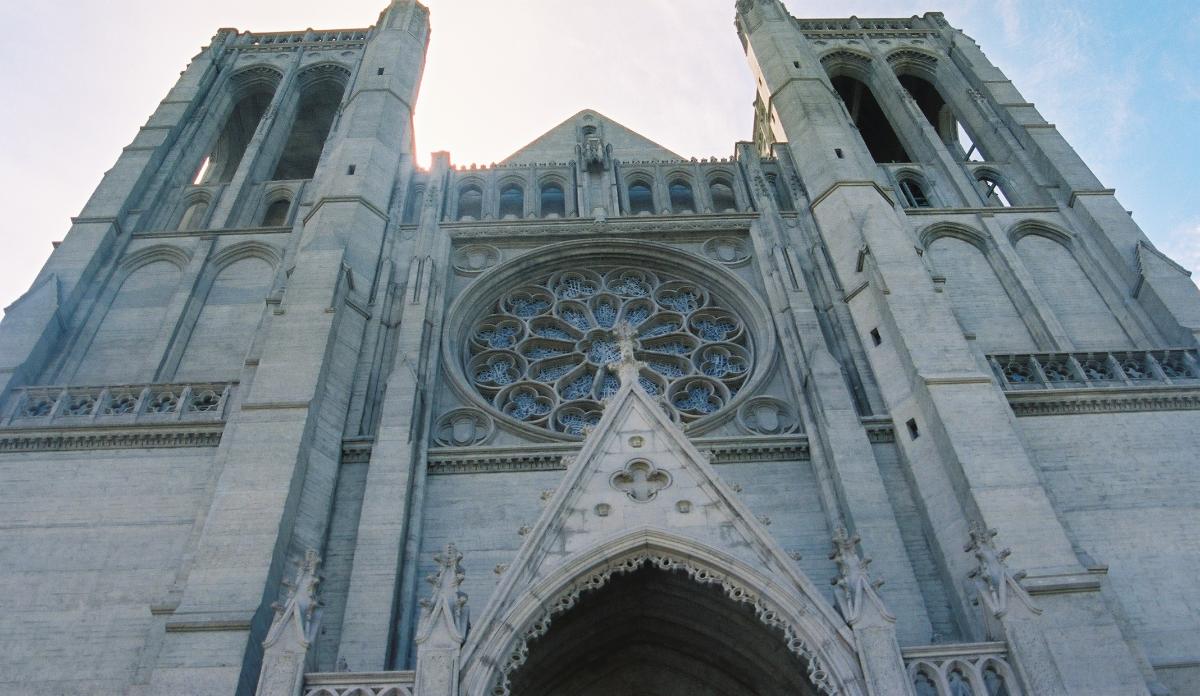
[(653, 632), (872, 122)]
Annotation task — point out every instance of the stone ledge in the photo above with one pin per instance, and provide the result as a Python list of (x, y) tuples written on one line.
[(1098, 400), (145, 437), (217, 621), (580, 227)]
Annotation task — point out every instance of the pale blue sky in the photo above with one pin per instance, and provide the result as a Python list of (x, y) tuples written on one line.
[(1119, 78)]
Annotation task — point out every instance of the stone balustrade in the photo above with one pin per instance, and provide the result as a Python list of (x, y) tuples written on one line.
[(1097, 369), (301, 37), (360, 684), (980, 669), (58, 406)]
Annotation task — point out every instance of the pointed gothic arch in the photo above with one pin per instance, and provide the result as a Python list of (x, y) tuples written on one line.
[(786, 604)]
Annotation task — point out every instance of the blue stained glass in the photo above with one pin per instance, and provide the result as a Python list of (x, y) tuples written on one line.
[(498, 337), (572, 288), (499, 372), (637, 316), (550, 374), (720, 365), (649, 386), (527, 406), (526, 307), (575, 423), (606, 315), (609, 386), (664, 368), (604, 351), (580, 388), (630, 287), (683, 301), (577, 319), (661, 329), (540, 352), (715, 330), (672, 347), (552, 332), (697, 399)]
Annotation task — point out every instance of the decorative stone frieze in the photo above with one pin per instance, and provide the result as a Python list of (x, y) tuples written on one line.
[(137, 437), (958, 668), (360, 684)]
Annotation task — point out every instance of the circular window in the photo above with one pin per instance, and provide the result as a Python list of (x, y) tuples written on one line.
[(547, 353)]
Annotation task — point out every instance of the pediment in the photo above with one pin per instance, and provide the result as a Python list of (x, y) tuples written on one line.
[(558, 143)]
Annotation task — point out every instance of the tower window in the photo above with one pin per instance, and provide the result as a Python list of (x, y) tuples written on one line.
[(315, 112), (553, 201), (641, 199), (470, 203), (512, 201), (942, 118), (277, 213), (194, 216), (722, 196), (913, 194), (992, 192), (913, 431), (781, 198), (682, 200), (872, 123)]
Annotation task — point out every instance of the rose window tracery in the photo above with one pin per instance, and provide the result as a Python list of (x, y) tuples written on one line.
[(548, 354)]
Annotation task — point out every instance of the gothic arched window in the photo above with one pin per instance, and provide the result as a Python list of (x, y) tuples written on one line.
[(193, 216), (315, 111), (277, 213), (553, 200), (682, 199), (781, 197), (470, 203), (641, 198), (512, 201), (992, 192), (722, 196), (913, 193)]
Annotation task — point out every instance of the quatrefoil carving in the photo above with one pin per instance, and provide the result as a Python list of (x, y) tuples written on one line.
[(640, 480)]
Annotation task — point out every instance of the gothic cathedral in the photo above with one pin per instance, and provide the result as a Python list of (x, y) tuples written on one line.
[(895, 399)]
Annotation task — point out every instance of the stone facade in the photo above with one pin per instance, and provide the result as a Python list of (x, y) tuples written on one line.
[(629, 412)]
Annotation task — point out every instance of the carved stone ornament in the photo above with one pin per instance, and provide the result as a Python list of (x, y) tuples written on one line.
[(729, 251), (464, 427), (445, 613), (475, 258), (995, 585), (640, 480), (766, 415), (857, 596), (285, 650)]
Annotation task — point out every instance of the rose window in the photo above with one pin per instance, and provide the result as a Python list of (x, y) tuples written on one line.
[(548, 355)]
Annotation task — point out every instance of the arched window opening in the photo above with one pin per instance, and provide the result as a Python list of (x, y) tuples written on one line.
[(193, 217), (977, 296), (641, 198), (682, 200), (512, 201), (782, 199), (470, 203), (314, 117), (277, 213), (665, 633), (994, 681), (220, 164), (993, 194), (412, 209), (723, 199), (871, 121), (913, 194), (553, 203), (959, 685), (941, 116), (924, 685)]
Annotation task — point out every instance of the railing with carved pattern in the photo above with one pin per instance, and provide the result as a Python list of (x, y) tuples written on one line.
[(962, 669), (250, 39), (56, 406), (1098, 369), (360, 684)]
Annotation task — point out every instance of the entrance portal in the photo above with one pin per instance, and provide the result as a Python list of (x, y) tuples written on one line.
[(653, 632)]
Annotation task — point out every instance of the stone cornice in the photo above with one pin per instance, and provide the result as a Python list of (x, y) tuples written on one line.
[(550, 456), (1118, 400), (573, 227), (136, 437)]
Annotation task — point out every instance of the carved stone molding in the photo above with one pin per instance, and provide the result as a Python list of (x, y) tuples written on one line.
[(146, 437), (474, 259), (359, 684), (728, 222), (464, 427), (729, 251), (549, 457), (1118, 400), (766, 415), (357, 451)]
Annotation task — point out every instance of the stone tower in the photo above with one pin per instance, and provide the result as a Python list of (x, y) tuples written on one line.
[(646, 424)]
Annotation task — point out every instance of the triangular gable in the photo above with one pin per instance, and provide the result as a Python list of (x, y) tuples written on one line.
[(637, 481), (558, 143)]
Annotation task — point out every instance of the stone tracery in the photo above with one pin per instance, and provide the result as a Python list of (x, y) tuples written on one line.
[(548, 355)]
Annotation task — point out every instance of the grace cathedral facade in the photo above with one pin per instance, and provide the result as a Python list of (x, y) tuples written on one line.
[(895, 398)]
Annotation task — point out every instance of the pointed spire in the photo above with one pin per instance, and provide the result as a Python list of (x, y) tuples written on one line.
[(444, 615), (301, 608), (995, 584), (856, 593)]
